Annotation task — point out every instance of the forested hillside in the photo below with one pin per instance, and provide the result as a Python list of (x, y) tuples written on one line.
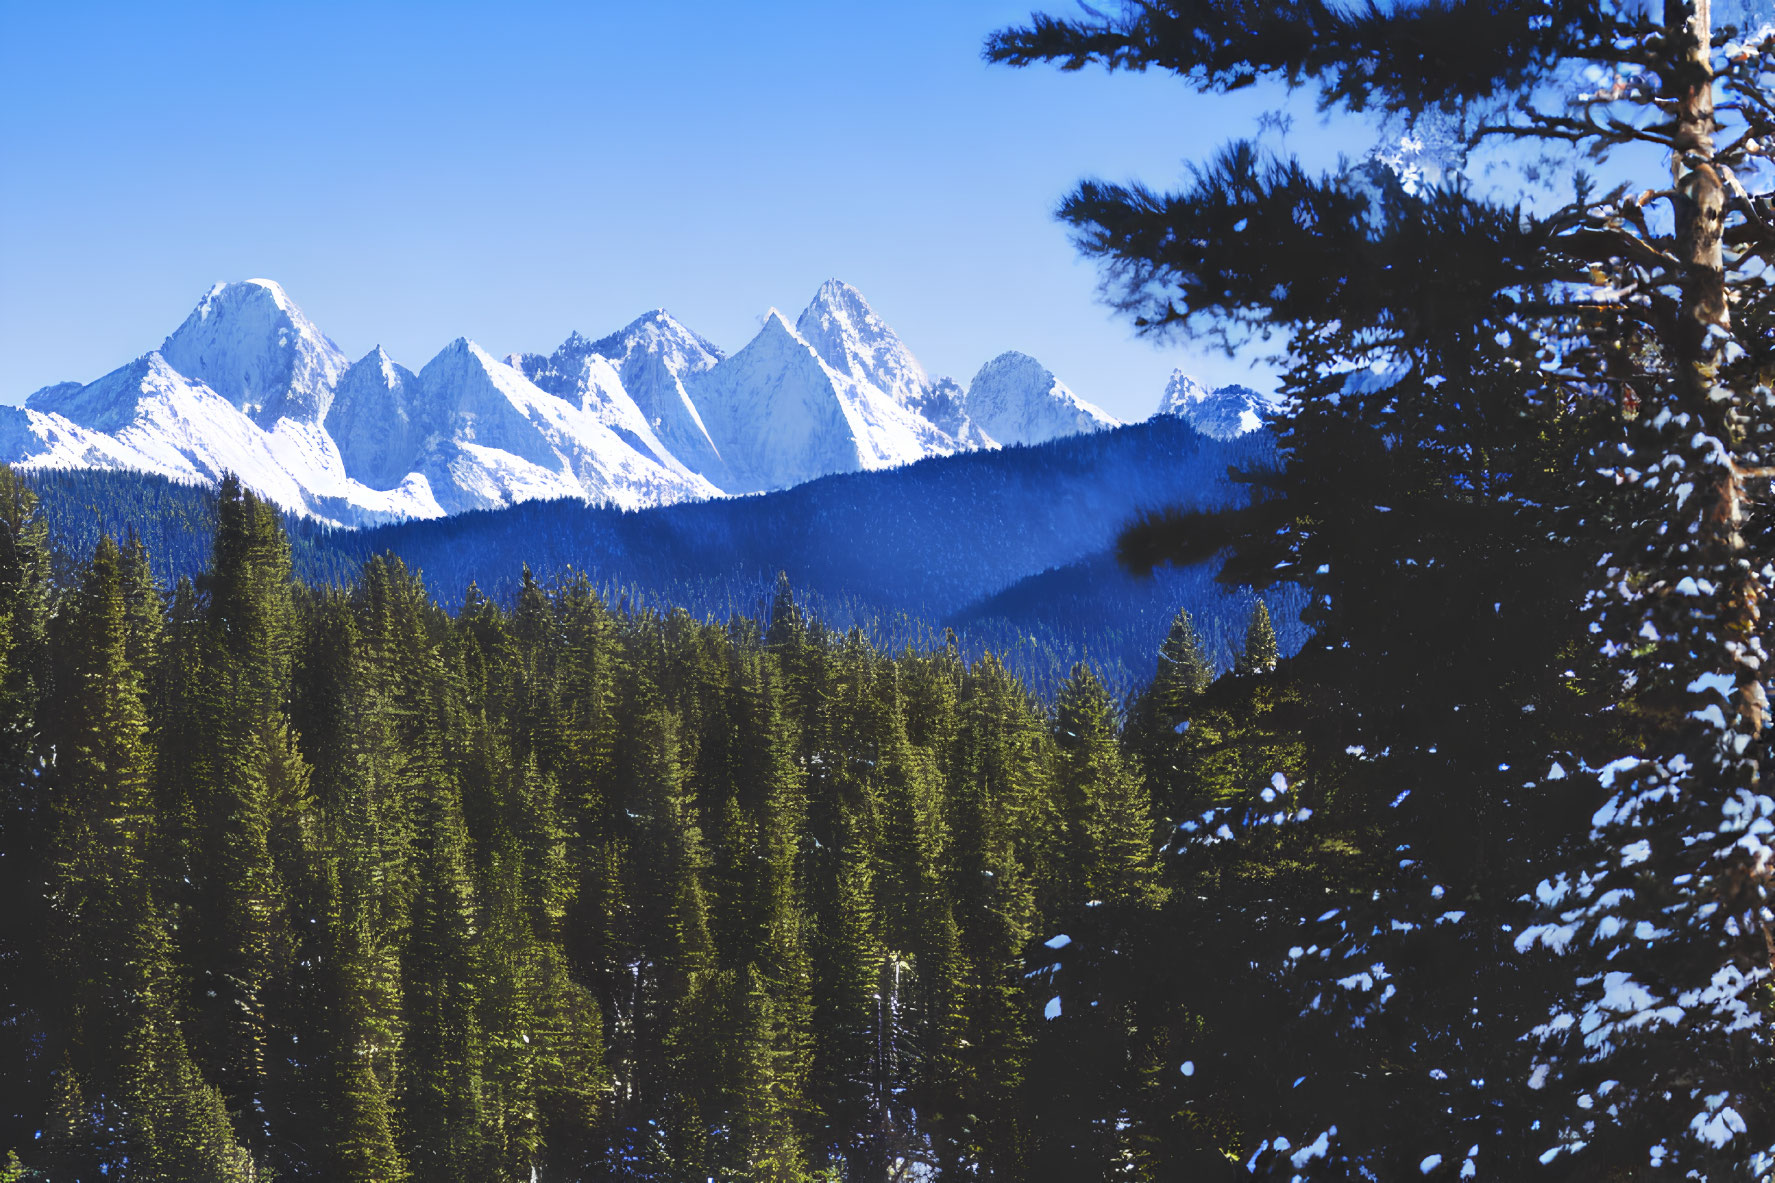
[(321, 882), (963, 541), (928, 538)]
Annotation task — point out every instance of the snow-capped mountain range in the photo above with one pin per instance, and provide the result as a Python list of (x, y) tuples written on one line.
[(1223, 413), (649, 415)]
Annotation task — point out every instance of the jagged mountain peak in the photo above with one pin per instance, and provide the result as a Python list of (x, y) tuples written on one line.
[(1015, 399), (379, 362), (776, 335), (836, 290), (251, 344), (272, 289), (231, 295), (655, 334), (1224, 413), (1014, 359), (839, 299), (657, 318), (384, 364), (775, 332), (632, 381), (377, 420), (106, 404), (853, 339), (660, 332), (780, 414), (463, 366), (1180, 392), (775, 413)]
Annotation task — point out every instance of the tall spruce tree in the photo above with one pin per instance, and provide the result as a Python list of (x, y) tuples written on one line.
[(1104, 849), (1182, 675), (847, 958), (1160, 715), (364, 895), (1000, 821), (147, 1108), (922, 982), (1258, 655), (1091, 1050), (24, 678), (442, 1102), (1552, 466), (247, 857)]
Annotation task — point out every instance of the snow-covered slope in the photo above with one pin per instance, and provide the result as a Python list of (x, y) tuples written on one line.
[(48, 440), (1224, 413), (633, 380), (163, 421), (1016, 400), (649, 415), (495, 438), (853, 340), (375, 418), (944, 404), (655, 355), (779, 415), (250, 344)]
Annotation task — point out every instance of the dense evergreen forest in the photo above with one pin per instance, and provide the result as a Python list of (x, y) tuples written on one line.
[(321, 882)]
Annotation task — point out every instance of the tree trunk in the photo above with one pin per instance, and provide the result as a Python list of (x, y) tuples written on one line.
[(1702, 335)]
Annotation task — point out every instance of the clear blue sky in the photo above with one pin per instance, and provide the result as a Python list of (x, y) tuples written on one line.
[(511, 171)]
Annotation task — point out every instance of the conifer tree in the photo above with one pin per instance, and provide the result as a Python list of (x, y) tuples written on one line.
[(1105, 847), (1259, 653), (695, 1022), (1161, 713), (1000, 820), (847, 961), (24, 676), (1183, 672), (1551, 465), (442, 1107), (177, 1124), (664, 1002), (575, 1084), (591, 668), (363, 1139), (146, 1102), (781, 971), (921, 981), (252, 825), (183, 725), (1105, 888), (363, 896)]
